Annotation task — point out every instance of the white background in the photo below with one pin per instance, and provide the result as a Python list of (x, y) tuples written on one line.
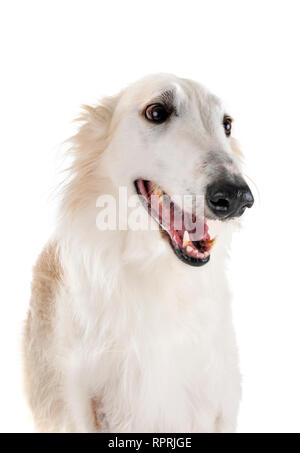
[(57, 55)]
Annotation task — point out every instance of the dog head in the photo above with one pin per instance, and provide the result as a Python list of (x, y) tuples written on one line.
[(173, 140), (170, 142)]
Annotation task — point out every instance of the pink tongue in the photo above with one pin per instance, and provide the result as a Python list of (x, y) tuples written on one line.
[(177, 224), (196, 227)]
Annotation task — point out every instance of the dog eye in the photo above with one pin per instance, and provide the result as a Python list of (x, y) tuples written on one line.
[(156, 113), (227, 123)]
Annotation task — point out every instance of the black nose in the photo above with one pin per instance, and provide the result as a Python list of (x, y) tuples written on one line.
[(226, 199)]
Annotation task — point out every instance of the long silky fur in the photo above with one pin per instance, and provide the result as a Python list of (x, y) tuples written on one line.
[(130, 327)]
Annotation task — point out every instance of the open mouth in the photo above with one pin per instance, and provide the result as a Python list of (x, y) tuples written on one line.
[(188, 235)]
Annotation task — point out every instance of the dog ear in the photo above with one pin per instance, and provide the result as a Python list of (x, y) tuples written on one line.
[(104, 111), (86, 147), (95, 121)]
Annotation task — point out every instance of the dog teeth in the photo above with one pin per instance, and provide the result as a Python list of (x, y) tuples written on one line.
[(186, 239), (195, 253), (156, 190)]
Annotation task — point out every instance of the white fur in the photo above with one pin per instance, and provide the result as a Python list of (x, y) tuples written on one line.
[(146, 334)]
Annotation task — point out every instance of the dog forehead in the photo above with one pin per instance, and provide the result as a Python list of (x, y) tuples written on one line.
[(182, 92), (154, 87)]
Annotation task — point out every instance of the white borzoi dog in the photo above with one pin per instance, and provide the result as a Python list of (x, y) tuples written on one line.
[(129, 329)]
